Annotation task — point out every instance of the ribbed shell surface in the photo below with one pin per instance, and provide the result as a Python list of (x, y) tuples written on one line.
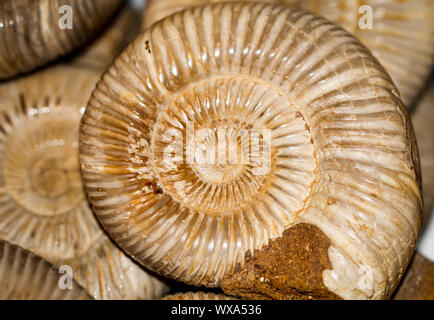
[(31, 33), (42, 204), (159, 9), (401, 35), (24, 276), (341, 153)]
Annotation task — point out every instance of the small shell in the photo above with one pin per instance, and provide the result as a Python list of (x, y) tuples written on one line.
[(32, 33), (327, 196), (42, 204), (24, 276), (197, 296), (402, 37)]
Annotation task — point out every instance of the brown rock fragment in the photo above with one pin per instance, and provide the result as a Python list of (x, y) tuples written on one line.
[(290, 267), (418, 284)]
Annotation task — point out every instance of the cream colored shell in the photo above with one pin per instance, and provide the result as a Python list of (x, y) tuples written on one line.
[(24, 276), (401, 37), (32, 33), (197, 296), (42, 204), (343, 154)]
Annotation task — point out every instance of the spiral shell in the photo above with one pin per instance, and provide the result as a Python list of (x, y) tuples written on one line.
[(319, 187), (32, 33), (401, 37), (42, 204), (197, 296), (24, 276)]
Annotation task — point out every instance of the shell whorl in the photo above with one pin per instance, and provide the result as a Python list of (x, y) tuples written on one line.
[(158, 9), (402, 34), (341, 149), (30, 34), (25, 276), (197, 296), (42, 204)]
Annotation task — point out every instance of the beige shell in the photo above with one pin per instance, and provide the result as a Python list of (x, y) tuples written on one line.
[(42, 204), (402, 37), (334, 171), (24, 276), (101, 53), (197, 296), (32, 34)]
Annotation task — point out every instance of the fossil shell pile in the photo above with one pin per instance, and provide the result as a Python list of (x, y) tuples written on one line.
[(255, 148)]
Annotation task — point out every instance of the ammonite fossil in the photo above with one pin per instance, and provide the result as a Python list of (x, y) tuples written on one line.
[(25, 276), (401, 34), (34, 32), (256, 148), (197, 296), (42, 204)]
